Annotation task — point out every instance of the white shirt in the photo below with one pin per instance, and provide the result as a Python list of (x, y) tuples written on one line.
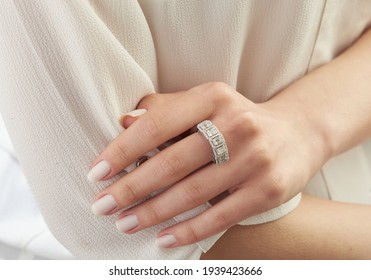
[(69, 69)]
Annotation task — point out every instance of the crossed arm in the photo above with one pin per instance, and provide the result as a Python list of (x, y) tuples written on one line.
[(283, 142), (341, 120), (317, 229)]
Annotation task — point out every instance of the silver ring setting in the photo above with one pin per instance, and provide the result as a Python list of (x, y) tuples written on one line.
[(216, 141)]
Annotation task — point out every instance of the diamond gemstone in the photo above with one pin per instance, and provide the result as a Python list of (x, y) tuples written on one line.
[(216, 141), (221, 150), (211, 132)]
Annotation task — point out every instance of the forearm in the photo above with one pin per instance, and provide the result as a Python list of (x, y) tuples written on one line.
[(334, 100), (317, 229)]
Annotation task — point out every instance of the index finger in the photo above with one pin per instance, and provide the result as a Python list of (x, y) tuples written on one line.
[(158, 125)]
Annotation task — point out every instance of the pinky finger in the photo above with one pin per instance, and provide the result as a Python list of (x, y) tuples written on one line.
[(223, 215)]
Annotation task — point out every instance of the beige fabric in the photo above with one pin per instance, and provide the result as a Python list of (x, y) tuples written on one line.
[(70, 68), (348, 176)]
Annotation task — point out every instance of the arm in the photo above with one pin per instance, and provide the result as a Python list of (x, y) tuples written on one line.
[(335, 99), (275, 148), (317, 229)]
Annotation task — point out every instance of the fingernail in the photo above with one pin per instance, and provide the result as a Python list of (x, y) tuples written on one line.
[(136, 113), (165, 241), (99, 171), (104, 205), (127, 223)]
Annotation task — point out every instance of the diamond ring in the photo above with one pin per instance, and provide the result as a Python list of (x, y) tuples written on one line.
[(216, 141)]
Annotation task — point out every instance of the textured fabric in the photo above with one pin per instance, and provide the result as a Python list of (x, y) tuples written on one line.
[(18, 212), (69, 69), (346, 177)]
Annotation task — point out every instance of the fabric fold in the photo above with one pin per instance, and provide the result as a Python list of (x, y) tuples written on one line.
[(70, 69)]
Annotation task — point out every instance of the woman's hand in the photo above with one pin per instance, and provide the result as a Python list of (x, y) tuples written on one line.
[(273, 153)]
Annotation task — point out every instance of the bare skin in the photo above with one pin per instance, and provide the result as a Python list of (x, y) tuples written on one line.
[(317, 229), (326, 111)]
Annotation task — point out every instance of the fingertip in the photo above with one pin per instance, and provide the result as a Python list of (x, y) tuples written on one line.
[(99, 171), (126, 121), (104, 205), (129, 118), (166, 241)]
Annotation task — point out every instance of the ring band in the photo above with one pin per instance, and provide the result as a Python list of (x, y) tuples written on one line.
[(216, 141)]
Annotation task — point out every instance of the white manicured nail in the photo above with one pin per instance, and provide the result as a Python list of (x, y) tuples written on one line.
[(99, 171), (127, 223), (104, 205), (165, 241), (136, 113)]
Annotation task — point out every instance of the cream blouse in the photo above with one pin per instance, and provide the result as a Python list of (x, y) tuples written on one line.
[(69, 69)]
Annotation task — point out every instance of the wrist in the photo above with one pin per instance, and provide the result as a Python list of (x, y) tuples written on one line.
[(311, 125)]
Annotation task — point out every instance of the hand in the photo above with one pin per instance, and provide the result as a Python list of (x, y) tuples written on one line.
[(272, 157)]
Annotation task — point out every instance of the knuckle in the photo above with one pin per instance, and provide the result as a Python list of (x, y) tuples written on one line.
[(276, 189), (121, 151), (220, 222), (246, 127), (263, 156), (192, 194), (191, 234), (170, 165), (219, 93), (218, 86), (249, 123), (151, 213), (154, 127), (149, 100), (129, 193)]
